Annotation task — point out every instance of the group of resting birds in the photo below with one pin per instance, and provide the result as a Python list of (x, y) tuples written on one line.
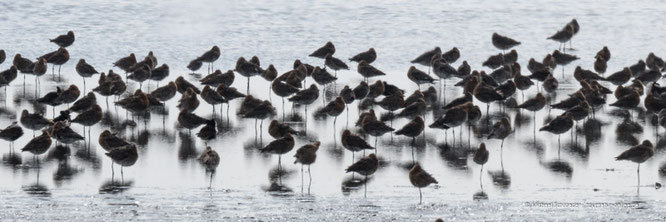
[(498, 86)]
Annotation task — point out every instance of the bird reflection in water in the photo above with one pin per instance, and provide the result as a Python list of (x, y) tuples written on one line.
[(112, 187)]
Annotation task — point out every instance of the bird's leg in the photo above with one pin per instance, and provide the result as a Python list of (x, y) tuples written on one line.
[(502, 154), (638, 173), (306, 120), (420, 196), (365, 187), (481, 178), (347, 111), (210, 183), (469, 135), (280, 168), (310, 176), (122, 176), (454, 136), (302, 178), (413, 141), (376, 148), (461, 131)]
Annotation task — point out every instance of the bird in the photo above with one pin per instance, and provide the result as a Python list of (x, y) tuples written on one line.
[(550, 84), (361, 91), (367, 56), (501, 130), (279, 130), (216, 78), (620, 77), (392, 102), (279, 146), (334, 63), (3, 56), (64, 134), (638, 68), (136, 103), (638, 154), (534, 104), (269, 74), (210, 159), (652, 61), (368, 71), (559, 125), (305, 97), (562, 36), (182, 85), (247, 69), (85, 70), (208, 132), (68, 95), (261, 111), (159, 73), (334, 108), (11, 133), (604, 54), (109, 141), (503, 43), (34, 121), (375, 127), (306, 155), (420, 179), (64, 40), (494, 61), (166, 92), (426, 57), (38, 145), (8, 76), (452, 55), (58, 57), (354, 143), (486, 94), (419, 77), (628, 101), (417, 108), (211, 97), (600, 65), (210, 57), (89, 117), (194, 65), (125, 63), (125, 156), (481, 158), (366, 166), (412, 129), (283, 90), (584, 74), (190, 120), (321, 53), (110, 85), (23, 64), (140, 75), (453, 117), (563, 59)]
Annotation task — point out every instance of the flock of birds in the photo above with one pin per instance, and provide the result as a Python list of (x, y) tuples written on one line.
[(500, 86)]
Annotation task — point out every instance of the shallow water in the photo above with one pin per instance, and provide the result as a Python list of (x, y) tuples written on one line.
[(579, 181)]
